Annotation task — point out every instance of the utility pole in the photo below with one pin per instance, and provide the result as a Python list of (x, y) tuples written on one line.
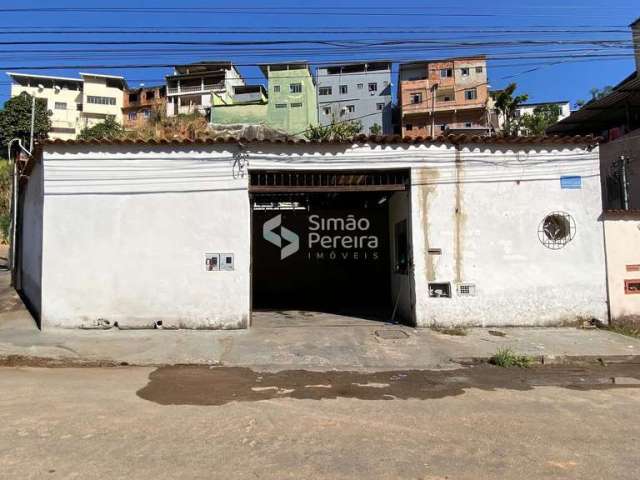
[(33, 122), (434, 88), (624, 164), (621, 169), (14, 193)]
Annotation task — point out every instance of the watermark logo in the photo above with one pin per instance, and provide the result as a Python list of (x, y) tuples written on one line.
[(285, 234)]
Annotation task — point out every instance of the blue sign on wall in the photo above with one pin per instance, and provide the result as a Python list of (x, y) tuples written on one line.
[(571, 182)]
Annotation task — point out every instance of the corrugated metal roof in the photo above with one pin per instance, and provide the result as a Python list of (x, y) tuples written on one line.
[(598, 111), (619, 211), (375, 139)]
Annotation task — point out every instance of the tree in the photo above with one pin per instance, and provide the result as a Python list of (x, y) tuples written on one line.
[(543, 117), (507, 104), (375, 129), (107, 129), (336, 131), (15, 120), (596, 94)]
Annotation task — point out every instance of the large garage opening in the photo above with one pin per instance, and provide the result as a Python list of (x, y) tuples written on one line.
[(330, 242)]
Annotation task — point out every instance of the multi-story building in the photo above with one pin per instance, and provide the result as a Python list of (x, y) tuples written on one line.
[(292, 106), (243, 105), (529, 108), (75, 103), (141, 104), (444, 95), (360, 92), (190, 87)]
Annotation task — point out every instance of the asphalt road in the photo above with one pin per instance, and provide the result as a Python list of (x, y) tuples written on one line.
[(234, 423)]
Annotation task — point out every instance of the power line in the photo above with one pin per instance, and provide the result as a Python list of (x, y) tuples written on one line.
[(392, 72), (440, 43), (326, 30), (165, 65), (336, 11)]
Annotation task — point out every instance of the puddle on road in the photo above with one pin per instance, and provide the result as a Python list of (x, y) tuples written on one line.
[(201, 385)]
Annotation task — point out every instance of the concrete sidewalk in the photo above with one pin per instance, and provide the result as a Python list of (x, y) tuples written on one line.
[(296, 340)]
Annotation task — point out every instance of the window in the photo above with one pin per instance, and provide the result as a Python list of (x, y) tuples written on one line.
[(146, 113), (443, 127), (351, 108), (471, 94), (373, 87), (61, 106), (446, 72), (281, 105), (133, 97), (360, 86), (464, 72), (479, 69), (468, 125), (150, 95), (632, 287), (379, 106), (101, 100), (296, 105), (326, 110), (408, 127), (416, 98), (556, 230), (133, 116), (344, 89), (295, 88), (324, 91), (276, 88), (79, 107), (401, 248)]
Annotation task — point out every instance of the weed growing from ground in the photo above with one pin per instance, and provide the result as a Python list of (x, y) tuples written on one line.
[(455, 331), (505, 357)]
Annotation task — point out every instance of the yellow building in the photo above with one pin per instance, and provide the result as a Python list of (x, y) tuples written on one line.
[(74, 103)]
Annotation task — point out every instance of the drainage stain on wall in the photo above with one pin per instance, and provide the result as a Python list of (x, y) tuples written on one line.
[(459, 220), (425, 179)]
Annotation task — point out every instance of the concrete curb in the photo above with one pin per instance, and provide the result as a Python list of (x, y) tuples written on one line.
[(17, 360), (561, 359)]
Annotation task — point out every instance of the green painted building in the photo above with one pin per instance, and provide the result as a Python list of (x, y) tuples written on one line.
[(245, 104), (289, 106), (292, 105)]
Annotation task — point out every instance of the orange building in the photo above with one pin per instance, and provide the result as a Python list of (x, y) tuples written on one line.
[(442, 96), (140, 105)]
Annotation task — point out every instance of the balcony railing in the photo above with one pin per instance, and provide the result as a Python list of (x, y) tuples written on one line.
[(194, 89)]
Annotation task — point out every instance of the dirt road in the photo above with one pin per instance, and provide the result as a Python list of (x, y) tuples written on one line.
[(210, 423)]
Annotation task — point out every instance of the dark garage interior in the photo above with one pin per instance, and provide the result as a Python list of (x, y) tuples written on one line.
[(322, 243)]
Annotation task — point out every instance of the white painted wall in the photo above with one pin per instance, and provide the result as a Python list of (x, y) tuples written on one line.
[(487, 227), (126, 230)]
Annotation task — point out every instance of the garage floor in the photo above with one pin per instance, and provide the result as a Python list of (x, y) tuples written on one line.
[(301, 318)]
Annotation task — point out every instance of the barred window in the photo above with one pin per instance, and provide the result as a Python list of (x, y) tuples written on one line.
[(101, 100)]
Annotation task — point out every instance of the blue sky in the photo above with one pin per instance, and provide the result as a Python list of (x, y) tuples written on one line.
[(459, 27)]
